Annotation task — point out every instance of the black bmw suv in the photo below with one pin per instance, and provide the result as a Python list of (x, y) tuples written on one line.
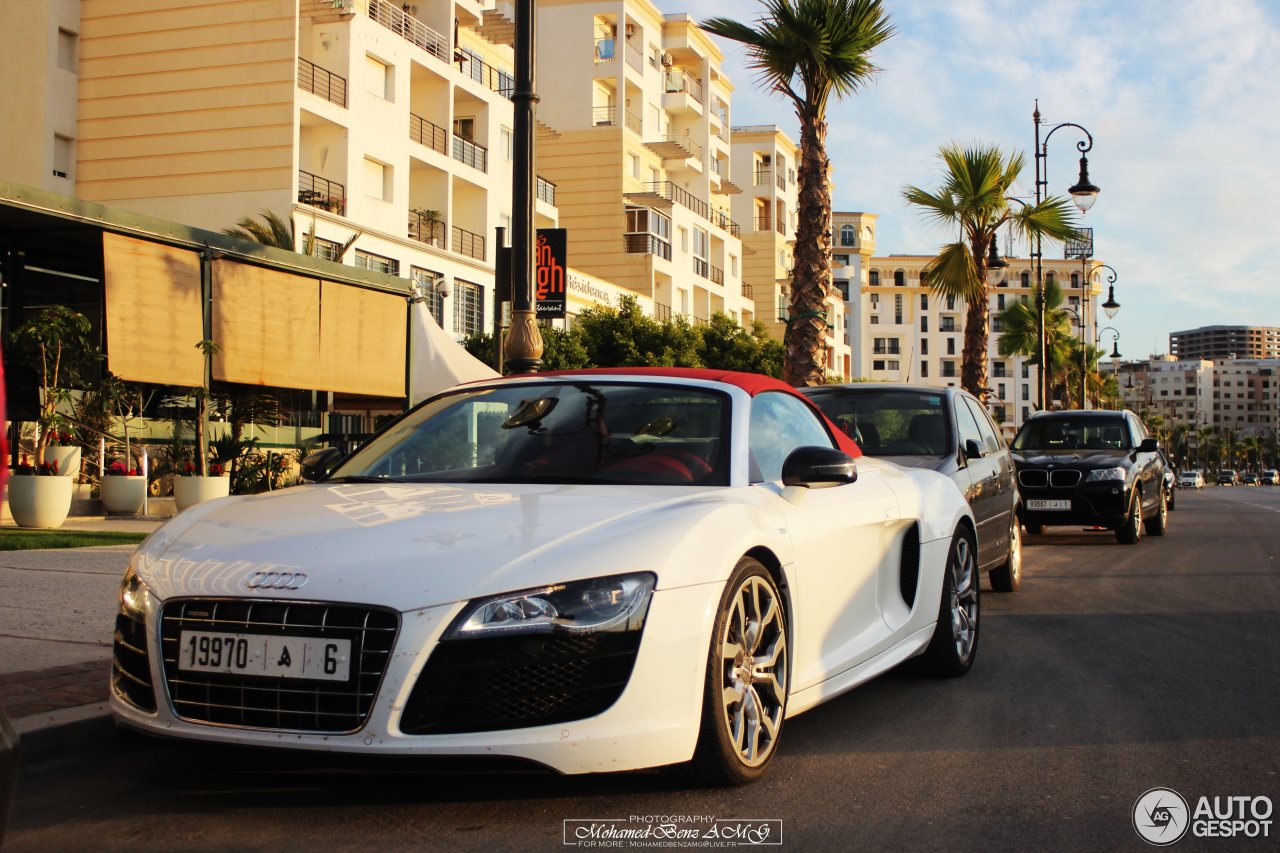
[(1096, 468)]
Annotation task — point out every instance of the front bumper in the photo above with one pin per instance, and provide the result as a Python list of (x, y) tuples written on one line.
[(654, 722), (1102, 504)]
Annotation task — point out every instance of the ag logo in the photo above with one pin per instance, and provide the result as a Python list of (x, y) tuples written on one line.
[(1161, 816)]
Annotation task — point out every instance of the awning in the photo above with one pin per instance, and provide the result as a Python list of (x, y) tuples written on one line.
[(437, 361)]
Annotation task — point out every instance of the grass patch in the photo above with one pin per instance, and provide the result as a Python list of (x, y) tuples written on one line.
[(12, 539)]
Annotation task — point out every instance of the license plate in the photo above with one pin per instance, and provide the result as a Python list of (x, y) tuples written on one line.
[(315, 658), (1049, 505)]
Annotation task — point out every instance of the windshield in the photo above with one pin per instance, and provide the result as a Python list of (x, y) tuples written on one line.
[(579, 432), (889, 423), (1053, 434)]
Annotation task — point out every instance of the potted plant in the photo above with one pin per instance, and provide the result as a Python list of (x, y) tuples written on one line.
[(38, 495), (63, 450), (123, 489), (192, 487)]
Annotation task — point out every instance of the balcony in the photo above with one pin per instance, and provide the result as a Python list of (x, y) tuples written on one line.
[(747, 291), (764, 223), (762, 177), (468, 243), (429, 231), (647, 244), (545, 191), (887, 349), (324, 194), (717, 275), (606, 49), (410, 28), (682, 83), (661, 312), (720, 219), (494, 79), (948, 325), (425, 133), (701, 267), (472, 154), (608, 117), (780, 180), (666, 191), (316, 80), (675, 147)]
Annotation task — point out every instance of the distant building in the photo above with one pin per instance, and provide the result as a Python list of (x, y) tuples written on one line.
[(1216, 342)]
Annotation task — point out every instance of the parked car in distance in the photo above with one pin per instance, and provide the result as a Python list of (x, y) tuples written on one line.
[(1271, 477), (1095, 468), (1250, 478), (1228, 477), (1191, 480), (945, 430)]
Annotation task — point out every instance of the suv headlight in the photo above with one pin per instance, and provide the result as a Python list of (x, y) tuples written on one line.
[(1106, 474), (614, 603), (133, 595)]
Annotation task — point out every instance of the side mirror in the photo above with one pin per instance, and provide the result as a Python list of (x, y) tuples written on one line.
[(972, 450), (1148, 445), (317, 466), (818, 467)]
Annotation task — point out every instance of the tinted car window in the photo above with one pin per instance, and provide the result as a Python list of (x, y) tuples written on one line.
[(985, 426), (779, 424), (890, 422), (1074, 433), (968, 425)]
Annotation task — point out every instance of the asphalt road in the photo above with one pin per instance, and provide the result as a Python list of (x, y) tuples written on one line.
[(1115, 670)]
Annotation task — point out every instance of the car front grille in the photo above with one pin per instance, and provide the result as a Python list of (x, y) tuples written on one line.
[(1064, 479), (490, 683), (269, 702), (131, 668), (1033, 479)]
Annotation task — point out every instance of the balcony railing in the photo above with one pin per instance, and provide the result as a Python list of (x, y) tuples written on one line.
[(409, 28), (764, 223), (720, 219), (685, 141), (318, 81), (661, 313), (747, 291), (680, 81), (780, 179), (604, 116), (468, 243), (632, 121), (606, 49), (882, 349), (717, 275), (762, 177), (947, 326), (425, 133), (678, 195), (701, 267), (545, 190), (635, 54), (319, 192), (780, 226), (430, 231), (471, 153), (647, 244), (495, 79)]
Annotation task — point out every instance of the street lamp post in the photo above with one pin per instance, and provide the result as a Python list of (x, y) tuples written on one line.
[(1084, 193)]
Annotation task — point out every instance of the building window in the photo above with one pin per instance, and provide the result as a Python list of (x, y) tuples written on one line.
[(848, 236), (924, 369), (873, 278), (62, 159), (67, 44), (999, 369), (507, 142), (892, 365), (875, 320), (431, 284), (1026, 279), (948, 369), (897, 308), (1075, 279), (733, 267), (377, 179), (1026, 412), (1026, 371), (1000, 390), (1026, 393), (899, 278), (924, 346), (1000, 302), (951, 346), (377, 263), (326, 249), (924, 302), (468, 307), (951, 303), (924, 323), (380, 79), (878, 364)]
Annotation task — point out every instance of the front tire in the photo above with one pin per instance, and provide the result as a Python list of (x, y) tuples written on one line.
[(748, 667), (1130, 533), (1008, 577), (955, 639)]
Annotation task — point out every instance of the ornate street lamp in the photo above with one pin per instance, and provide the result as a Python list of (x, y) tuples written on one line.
[(1115, 344), (1084, 193)]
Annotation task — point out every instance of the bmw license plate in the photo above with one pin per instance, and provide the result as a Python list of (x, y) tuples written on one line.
[(1059, 504), (316, 658)]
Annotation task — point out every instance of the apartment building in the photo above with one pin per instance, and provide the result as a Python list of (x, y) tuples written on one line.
[(907, 333), (384, 126), (1218, 342), (1240, 395), (634, 133), (763, 160)]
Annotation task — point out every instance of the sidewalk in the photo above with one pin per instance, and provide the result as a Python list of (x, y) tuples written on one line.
[(57, 616)]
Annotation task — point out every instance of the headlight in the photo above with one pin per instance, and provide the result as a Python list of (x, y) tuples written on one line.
[(615, 603), (133, 595), (1105, 474)]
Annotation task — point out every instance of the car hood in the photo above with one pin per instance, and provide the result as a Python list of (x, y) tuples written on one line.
[(1085, 459), (416, 545)]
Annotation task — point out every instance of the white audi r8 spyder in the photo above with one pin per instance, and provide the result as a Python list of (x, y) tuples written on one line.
[(595, 571)]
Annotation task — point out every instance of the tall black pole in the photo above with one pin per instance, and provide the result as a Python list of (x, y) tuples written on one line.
[(524, 341), (1041, 353)]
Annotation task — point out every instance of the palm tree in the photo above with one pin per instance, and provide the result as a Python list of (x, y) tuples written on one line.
[(277, 232), (809, 51), (1086, 354), (973, 199), (1020, 333)]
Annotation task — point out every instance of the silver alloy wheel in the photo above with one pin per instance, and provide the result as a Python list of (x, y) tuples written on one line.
[(753, 657), (1137, 516), (1015, 552), (964, 598)]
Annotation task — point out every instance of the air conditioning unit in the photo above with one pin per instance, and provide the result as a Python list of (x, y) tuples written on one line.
[(667, 60)]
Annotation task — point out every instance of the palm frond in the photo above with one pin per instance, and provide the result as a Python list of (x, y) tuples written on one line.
[(271, 231), (1052, 219), (954, 273)]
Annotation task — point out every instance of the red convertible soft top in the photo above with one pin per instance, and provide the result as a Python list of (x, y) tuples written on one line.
[(752, 383)]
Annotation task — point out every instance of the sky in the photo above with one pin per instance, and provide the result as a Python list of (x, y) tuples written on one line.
[(1182, 99)]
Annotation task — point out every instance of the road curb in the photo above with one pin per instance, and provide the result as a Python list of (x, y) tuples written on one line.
[(66, 731)]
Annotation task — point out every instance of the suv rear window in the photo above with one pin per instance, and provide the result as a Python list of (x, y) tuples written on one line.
[(1073, 433)]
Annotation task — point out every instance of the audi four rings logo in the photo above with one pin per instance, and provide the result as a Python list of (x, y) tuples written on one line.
[(276, 580)]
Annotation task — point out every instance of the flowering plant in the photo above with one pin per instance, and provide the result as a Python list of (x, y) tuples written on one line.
[(62, 439), (44, 469), (119, 469), (189, 469)]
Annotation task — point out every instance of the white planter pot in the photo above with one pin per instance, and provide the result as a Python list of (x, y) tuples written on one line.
[(39, 501), (189, 491), (68, 460), (122, 495)]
